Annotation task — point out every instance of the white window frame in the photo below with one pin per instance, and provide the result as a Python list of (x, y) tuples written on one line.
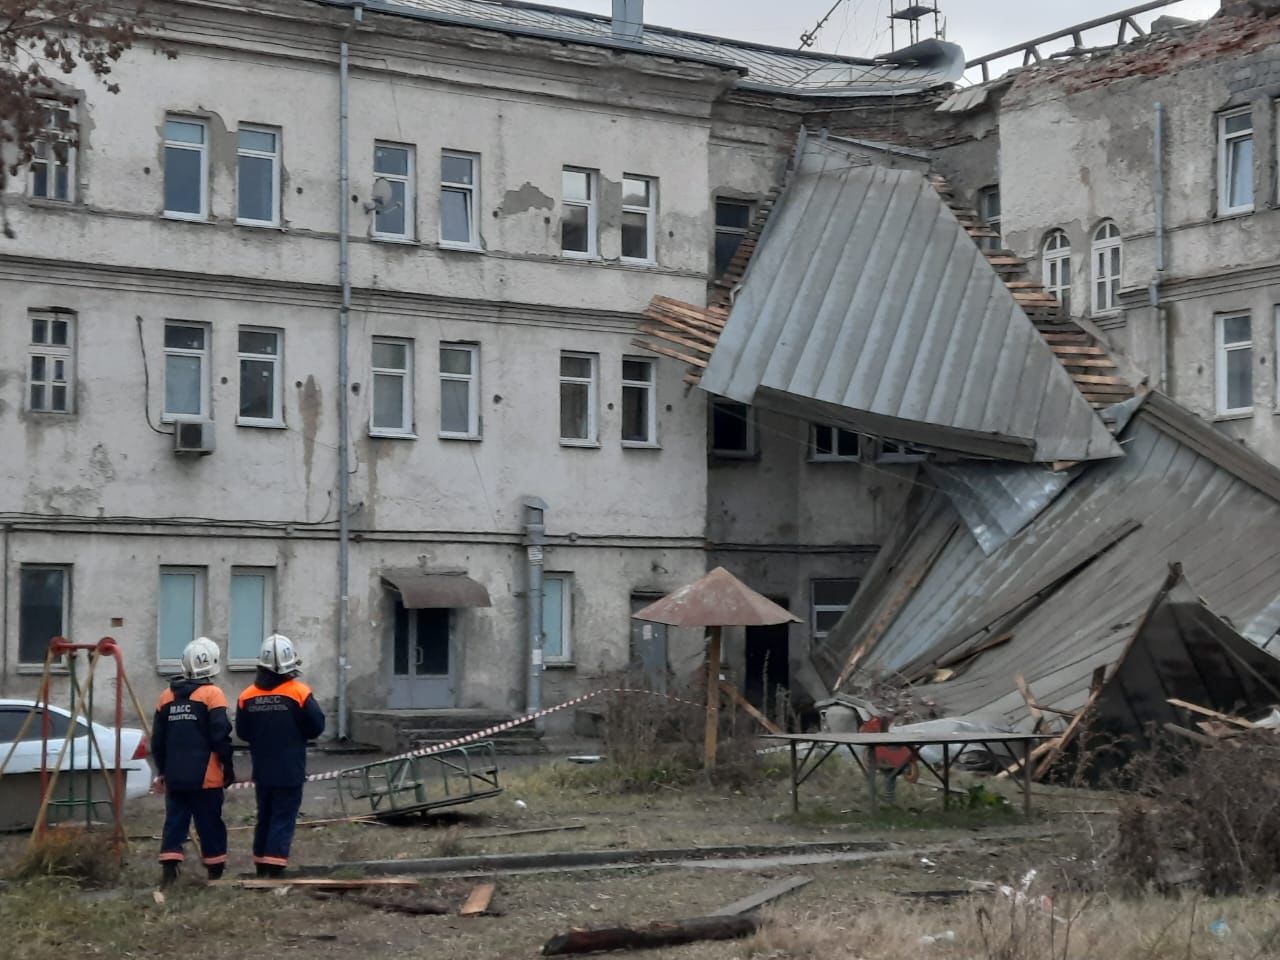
[(275, 158), (201, 148), (205, 373), (471, 191), (566, 619), (592, 205), (990, 222), (1226, 145), (410, 195), (66, 570), (165, 664), (406, 429), (753, 444), (1221, 351), (1052, 260), (268, 611), (1105, 239), (650, 214), (835, 456), (472, 380), (650, 387), (54, 134), (592, 439), (816, 608), (52, 353), (277, 377)]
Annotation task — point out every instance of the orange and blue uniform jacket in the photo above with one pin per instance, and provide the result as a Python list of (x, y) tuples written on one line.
[(191, 736), (276, 716)]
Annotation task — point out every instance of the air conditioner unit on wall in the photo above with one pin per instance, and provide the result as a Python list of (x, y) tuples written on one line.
[(193, 437)]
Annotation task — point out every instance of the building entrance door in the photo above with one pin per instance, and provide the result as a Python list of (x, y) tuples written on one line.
[(422, 659)]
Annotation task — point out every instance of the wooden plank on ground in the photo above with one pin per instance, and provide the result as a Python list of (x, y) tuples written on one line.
[(325, 883), (479, 899), (1206, 712), (497, 834), (765, 896), (668, 934)]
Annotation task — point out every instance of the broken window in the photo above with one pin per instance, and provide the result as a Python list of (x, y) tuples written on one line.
[(638, 403), (1057, 268), (989, 213), (258, 176), (52, 172), (1235, 162), (393, 165), (827, 443), (51, 371), (252, 612), (1235, 365), (44, 606), (829, 601), (733, 429), (180, 611), (458, 184), (186, 371), (460, 391), (392, 369), (639, 202), (186, 168), (578, 399), (579, 217), (733, 220), (893, 452), (1106, 268), (261, 384)]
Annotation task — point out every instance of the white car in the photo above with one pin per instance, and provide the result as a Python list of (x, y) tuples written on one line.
[(26, 756)]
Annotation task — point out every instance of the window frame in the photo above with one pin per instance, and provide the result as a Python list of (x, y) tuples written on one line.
[(409, 179), (565, 657), (991, 244), (752, 450), (407, 419), (471, 191), (592, 205), (277, 392), (54, 135), (1226, 143), (1222, 351), (835, 456), (650, 214), (52, 353), (1099, 254), (203, 150), (206, 375), (816, 635), (269, 607), (1051, 261), (651, 403), (199, 612), (66, 569), (472, 379), (593, 398), (717, 229), (276, 158)]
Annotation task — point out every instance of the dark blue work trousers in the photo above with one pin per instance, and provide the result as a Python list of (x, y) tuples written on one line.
[(277, 816), (203, 806)]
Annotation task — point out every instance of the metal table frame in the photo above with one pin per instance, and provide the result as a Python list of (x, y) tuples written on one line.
[(825, 744)]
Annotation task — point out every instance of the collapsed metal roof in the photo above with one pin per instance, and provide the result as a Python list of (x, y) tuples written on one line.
[(1067, 594), (921, 67), (868, 305)]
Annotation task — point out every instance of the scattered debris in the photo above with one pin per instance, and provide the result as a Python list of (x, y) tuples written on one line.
[(765, 896), (587, 758), (947, 936), (322, 883), (499, 834), (414, 908), (157, 896), (479, 900), (660, 934)]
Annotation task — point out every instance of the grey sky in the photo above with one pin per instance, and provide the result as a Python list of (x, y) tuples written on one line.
[(860, 27)]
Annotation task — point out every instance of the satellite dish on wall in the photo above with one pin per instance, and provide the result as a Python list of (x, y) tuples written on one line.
[(380, 199)]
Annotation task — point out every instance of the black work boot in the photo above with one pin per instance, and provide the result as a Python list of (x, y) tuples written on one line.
[(215, 871), (275, 871), (168, 873), (262, 870)]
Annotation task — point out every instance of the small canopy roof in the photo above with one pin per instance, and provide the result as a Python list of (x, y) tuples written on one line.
[(423, 591), (717, 600)]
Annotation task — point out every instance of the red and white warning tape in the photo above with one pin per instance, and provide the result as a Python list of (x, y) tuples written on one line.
[(480, 735)]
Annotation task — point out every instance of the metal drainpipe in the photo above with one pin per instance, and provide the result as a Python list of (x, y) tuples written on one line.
[(1162, 329), (344, 373), (535, 530), (7, 530)]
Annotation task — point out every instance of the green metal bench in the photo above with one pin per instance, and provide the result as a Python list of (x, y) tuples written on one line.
[(403, 786)]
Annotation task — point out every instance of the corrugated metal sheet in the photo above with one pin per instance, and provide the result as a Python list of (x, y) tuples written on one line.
[(868, 305), (1082, 574), (997, 500), (924, 67)]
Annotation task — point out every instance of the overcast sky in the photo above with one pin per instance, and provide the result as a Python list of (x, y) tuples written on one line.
[(860, 27)]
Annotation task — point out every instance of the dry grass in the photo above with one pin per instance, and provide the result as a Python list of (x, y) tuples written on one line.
[(70, 853)]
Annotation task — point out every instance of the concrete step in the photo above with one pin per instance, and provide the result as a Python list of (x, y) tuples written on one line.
[(515, 747), (398, 731)]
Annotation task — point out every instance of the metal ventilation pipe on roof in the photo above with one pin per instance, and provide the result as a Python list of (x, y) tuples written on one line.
[(628, 19)]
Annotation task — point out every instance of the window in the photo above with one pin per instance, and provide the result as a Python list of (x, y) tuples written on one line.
[(639, 200), (1235, 365), (458, 185), (258, 176), (639, 403), (52, 173), (13, 719), (578, 399), (1057, 268), (579, 217), (261, 400), (733, 429), (830, 599), (893, 452), (44, 606), (733, 220), (392, 388), (989, 214), (181, 611), (51, 367), (1235, 162), (557, 617), (1107, 265), (460, 391), (827, 443), (186, 169), (186, 371), (393, 164), (252, 612)]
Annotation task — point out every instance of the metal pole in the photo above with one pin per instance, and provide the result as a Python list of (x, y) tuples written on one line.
[(535, 529), (7, 531), (712, 732), (1161, 324), (795, 781)]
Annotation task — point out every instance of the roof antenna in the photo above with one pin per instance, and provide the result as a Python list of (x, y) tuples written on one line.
[(807, 39), (911, 14)]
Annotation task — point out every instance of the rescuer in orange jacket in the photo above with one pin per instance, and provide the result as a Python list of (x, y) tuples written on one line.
[(191, 746), (276, 716)]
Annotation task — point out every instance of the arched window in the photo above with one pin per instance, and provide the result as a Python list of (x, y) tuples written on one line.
[(1108, 261), (1056, 274)]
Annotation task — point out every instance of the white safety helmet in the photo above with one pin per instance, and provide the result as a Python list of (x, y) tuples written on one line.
[(201, 659), (278, 654)]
